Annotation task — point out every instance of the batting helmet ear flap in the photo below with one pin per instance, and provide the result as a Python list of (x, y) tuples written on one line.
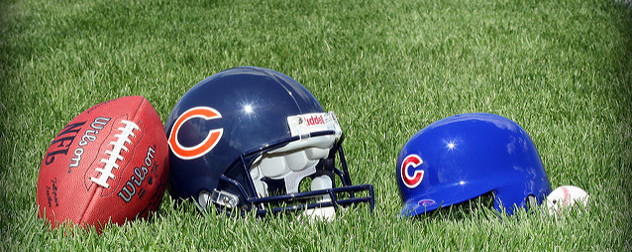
[(524, 203), (507, 198), (465, 156)]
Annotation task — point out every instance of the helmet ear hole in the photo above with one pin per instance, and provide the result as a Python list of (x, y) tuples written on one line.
[(531, 202), (305, 184)]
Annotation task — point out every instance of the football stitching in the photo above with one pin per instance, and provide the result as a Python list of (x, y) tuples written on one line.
[(115, 154)]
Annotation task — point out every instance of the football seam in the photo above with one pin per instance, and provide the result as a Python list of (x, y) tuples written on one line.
[(115, 153), (97, 191)]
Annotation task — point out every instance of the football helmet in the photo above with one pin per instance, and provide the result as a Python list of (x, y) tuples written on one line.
[(243, 139), (465, 156)]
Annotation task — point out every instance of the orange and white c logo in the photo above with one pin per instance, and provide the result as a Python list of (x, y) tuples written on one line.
[(205, 146)]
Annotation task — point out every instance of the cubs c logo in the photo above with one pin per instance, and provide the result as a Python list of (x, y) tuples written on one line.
[(413, 161), (205, 146)]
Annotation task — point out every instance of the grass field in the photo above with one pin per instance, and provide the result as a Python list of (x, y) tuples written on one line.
[(561, 69)]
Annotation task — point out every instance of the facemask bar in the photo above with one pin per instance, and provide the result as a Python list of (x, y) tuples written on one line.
[(260, 204), (344, 174)]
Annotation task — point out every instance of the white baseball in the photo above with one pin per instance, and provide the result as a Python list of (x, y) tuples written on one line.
[(564, 197)]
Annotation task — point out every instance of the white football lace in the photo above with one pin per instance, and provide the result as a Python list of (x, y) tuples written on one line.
[(115, 153)]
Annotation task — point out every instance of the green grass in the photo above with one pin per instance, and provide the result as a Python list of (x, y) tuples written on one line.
[(561, 69)]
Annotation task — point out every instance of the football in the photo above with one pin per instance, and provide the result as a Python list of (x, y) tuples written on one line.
[(108, 164)]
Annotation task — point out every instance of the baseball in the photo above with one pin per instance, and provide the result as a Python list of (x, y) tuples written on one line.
[(564, 197)]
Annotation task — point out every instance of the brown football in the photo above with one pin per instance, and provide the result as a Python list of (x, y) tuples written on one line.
[(110, 163)]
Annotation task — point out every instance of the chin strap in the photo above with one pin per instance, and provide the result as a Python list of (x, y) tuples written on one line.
[(221, 198), (225, 199)]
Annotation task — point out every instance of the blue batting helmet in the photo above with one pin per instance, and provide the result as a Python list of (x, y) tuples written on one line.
[(465, 156)]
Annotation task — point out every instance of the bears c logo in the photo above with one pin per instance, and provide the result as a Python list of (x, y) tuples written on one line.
[(413, 161), (205, 146)]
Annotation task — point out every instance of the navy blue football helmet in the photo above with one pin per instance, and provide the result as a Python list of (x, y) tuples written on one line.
[(243, 139), (465, 156)]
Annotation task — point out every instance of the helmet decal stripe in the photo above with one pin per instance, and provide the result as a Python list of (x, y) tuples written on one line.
[(205, 146), (413, 161)]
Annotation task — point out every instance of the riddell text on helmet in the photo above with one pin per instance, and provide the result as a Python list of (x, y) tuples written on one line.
[(315, 120)]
